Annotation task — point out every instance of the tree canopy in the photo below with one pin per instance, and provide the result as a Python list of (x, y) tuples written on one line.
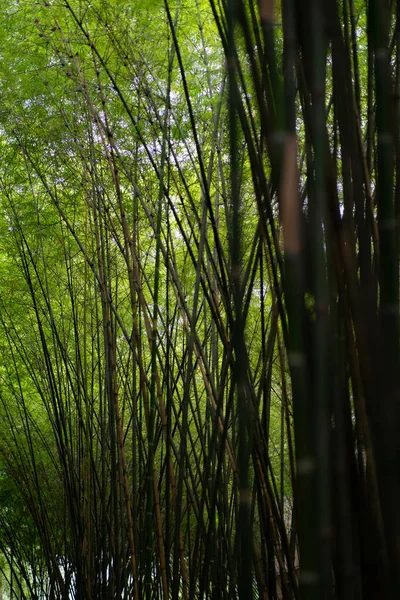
[(199, 299)]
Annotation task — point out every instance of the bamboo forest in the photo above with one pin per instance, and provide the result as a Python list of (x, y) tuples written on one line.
[(199, 299)]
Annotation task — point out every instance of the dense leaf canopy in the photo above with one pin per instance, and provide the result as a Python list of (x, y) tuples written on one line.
[(199, 299)]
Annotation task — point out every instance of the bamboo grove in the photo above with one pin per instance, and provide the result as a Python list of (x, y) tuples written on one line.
[(199, 299)]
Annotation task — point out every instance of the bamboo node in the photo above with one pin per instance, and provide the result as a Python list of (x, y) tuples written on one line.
[(306, 466)]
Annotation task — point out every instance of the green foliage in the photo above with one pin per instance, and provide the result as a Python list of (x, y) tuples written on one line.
[(198, 298)]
